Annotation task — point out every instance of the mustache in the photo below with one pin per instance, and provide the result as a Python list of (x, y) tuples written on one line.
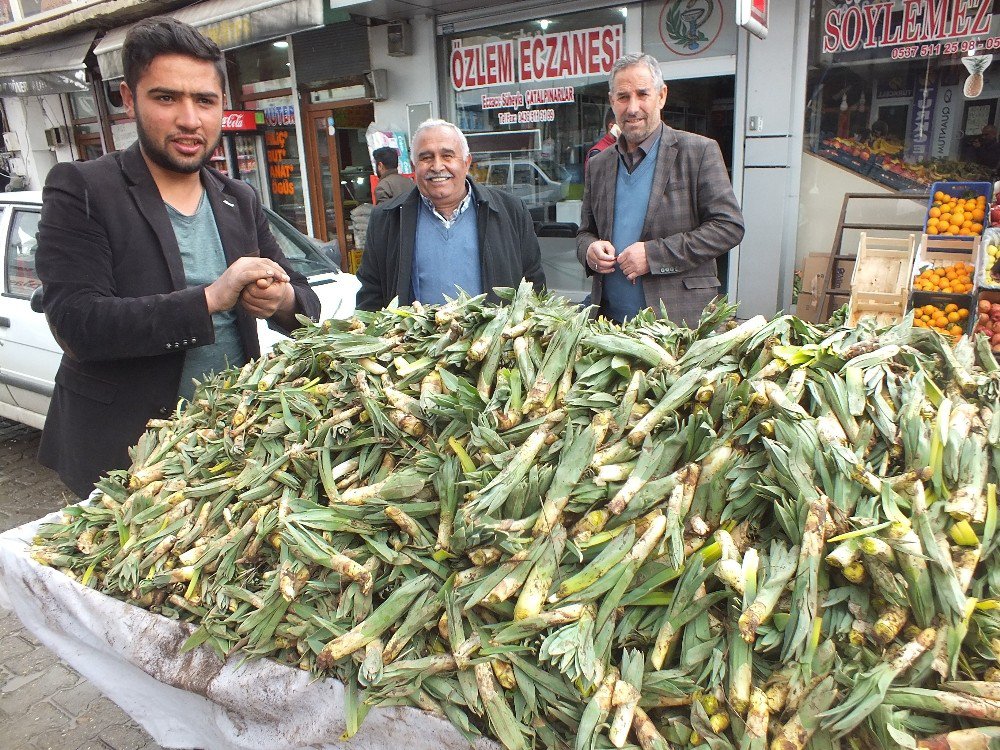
[(442, 173)]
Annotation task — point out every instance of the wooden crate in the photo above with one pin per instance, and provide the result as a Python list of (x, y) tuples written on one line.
[(880, 284), (883, 264), (938, 250), (886, 308)]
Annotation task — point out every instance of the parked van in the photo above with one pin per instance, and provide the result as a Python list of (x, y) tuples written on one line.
[(533, 182)]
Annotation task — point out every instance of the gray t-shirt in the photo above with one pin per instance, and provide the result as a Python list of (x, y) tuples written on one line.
[(205, 261)]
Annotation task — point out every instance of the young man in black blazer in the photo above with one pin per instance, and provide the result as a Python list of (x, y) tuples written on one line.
[(154, 267)]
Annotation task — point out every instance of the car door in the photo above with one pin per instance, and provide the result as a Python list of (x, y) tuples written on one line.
[(29, 355), (7, 405)]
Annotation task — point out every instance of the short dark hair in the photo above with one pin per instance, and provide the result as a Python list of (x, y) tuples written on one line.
[(609, 118), (387, 156), (163, 35)]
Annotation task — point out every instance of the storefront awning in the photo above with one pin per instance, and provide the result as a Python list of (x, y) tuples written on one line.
[(56, 67), (231, 24)]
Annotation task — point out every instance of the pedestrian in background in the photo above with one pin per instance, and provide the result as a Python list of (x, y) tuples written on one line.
[(610, 137), (449, 234), (658, 207), (391, 183)]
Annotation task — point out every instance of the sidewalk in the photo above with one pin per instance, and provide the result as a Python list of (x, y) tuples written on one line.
[(44, 704)]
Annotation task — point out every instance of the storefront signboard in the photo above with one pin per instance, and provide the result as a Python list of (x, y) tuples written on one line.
[(530, 59), (279, 115), (517, 100), (919, 28), (690, 27), (279, 168), (39, 84), (235, 121), (677, 30), (752, 16)]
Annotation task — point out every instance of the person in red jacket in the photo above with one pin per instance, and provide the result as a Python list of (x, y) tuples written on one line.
[(610, 137)]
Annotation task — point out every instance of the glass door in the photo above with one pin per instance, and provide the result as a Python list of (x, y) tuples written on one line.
[(325, 197), (339, 171)]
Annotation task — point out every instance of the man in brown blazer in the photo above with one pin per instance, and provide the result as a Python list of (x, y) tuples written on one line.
[(652, 228)]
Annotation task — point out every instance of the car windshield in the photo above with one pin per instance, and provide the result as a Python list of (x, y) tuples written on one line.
[(305, 255)]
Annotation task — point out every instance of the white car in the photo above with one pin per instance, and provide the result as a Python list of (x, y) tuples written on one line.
[(29, 355)]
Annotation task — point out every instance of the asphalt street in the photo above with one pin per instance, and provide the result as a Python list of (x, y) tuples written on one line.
[(44, 704)]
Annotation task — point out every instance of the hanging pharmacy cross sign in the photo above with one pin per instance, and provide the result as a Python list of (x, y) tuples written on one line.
[(752, 16), (914, 28)]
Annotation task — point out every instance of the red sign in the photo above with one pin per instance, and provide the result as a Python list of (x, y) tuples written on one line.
[(543, 57), (236, 121), (874, 24), (752, 16)]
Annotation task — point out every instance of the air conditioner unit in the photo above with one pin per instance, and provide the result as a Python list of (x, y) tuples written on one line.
[(10, 142), (58, 136), (400, 39)]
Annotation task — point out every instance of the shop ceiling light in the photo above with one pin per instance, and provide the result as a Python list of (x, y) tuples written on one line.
[(544, 23), (624, 12), (281, 44)]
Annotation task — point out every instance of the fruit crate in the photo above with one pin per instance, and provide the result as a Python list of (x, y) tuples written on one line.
[(941, 252), (880, 283), (941, 301), (960, 190), (988, 260), (885, 308), (992, 296)]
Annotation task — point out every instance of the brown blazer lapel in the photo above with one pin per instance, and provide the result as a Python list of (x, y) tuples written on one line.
[(661, 176), (147, 197)]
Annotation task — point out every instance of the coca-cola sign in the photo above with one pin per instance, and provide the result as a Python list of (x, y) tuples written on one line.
[(234, 121)]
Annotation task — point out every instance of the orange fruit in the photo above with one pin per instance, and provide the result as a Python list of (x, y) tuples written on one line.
[(950, 307), (940, 195), (934, 212)]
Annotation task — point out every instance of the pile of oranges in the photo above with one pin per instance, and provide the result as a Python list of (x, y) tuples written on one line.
[(963, 217), (948, 320), (954, 278)]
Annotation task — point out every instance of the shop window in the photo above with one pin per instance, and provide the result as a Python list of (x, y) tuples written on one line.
[(532, 114), (85, 124), (21, 245), (903, 115)]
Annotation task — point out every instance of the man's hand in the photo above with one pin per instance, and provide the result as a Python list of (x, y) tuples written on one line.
[(633, 262), (601, 256), (265, 297), (223, 293)]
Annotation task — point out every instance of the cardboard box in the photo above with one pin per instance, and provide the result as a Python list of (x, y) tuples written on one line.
[(810, 301)]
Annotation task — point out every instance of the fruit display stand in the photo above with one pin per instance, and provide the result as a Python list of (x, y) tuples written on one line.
[(880, 282)]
